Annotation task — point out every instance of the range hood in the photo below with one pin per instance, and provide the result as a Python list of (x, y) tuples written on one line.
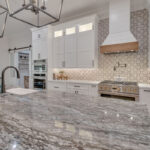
[(120, 38)]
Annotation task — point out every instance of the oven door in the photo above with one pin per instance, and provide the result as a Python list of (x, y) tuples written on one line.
[(40, 83)]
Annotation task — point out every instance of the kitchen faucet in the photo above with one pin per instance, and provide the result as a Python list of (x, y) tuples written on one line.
[(119, 65), (3, 77)]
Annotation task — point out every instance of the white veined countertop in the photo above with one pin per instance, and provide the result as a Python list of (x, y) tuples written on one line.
[(143, 85), (77, 81)]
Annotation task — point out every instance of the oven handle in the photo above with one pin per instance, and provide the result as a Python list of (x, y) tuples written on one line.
[(114, 88), (147, 91)]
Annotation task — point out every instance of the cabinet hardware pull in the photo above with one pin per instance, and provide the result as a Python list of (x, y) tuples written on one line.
[(39, 56), (93, 86), (76, 86), (63, 64), (147, 91), (39, 35), (93, 63), (56, 87)]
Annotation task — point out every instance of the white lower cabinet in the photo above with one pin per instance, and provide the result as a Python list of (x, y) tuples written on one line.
[(94, 90), (145, 97), (76, 88), (55, 86)]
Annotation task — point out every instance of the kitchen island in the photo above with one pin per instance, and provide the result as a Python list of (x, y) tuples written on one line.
[(59, 121)]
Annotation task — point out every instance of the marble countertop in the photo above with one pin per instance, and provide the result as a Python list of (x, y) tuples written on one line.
[(77, 81), (143, 85), (59, 121)]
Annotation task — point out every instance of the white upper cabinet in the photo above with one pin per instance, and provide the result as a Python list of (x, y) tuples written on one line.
[(70, 45), (76, 42), (58, 46), (86, 44), (40, 44)]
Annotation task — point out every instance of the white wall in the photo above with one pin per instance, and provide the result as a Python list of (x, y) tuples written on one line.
[(17, 40), (20, 39), (4, 57)]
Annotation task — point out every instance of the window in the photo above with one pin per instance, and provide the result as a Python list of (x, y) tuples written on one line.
[(58, 33), (70, 31), (85, 27)]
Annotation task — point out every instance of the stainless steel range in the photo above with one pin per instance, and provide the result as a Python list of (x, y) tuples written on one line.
[(129, 90)]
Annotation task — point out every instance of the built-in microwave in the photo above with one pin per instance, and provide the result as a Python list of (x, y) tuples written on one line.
[(40, 66)]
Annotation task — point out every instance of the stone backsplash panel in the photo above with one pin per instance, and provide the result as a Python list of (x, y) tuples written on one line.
[(137, 63)]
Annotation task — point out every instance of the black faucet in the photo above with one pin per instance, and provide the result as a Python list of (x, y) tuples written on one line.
[(3, 77)]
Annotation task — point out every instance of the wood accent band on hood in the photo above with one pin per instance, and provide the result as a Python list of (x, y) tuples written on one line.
[(124, 47)]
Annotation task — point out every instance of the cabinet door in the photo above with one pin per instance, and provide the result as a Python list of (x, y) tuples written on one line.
[(58, 47), (40, 44), (70, 46), (36, 35), (57, 86), (85, 45), (35, 50), (58, 61), (145, 97), (93, 90), (43, 48)]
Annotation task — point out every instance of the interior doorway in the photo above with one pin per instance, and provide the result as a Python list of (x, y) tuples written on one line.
[(21, 59), (23, 66)]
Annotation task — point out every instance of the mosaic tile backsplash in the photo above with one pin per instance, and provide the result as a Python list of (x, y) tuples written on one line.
[(137, 63)]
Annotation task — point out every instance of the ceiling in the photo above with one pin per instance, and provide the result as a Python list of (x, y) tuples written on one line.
[(72, 9)]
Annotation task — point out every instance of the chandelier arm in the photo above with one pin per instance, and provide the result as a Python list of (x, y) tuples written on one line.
[(38, 9), (11, 14), (43, 2), (3, 12), (8, 7), (3, 8), (3, 30), (38, 15), (61, 7), (23, 21), (24, 2), (47, 14)]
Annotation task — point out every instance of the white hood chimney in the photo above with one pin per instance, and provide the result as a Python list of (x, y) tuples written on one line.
[(120, 38)]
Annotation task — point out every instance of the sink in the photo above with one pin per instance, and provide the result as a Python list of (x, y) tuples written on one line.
[(20, 91)]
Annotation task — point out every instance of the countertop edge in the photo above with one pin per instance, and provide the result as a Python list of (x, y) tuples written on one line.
[(76, 81)]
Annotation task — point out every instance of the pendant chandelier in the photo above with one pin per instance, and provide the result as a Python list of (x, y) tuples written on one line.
[(35, 12), (3, 19)]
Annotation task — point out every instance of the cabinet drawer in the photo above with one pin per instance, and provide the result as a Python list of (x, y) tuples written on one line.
[(57, 86), (80, 92), (77, 86), (83, 92)]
